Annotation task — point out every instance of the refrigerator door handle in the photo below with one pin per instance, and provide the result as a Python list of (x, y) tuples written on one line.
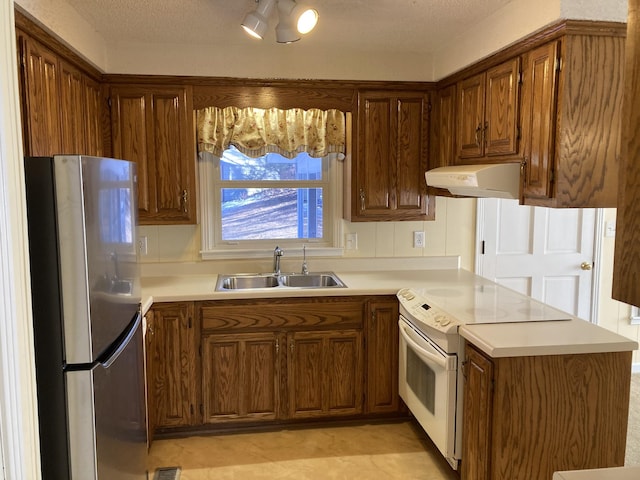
[(112, 354)]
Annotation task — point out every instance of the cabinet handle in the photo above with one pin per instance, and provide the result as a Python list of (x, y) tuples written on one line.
[(484, 133), (185, 197), (523, 170), (291, 344), (478, 131), (277, 345), (362, 200), (373, 317)]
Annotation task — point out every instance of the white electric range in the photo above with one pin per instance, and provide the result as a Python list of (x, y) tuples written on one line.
[(432, 352)]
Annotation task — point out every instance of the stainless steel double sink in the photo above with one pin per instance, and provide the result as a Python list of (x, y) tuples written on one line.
[(249, 281)]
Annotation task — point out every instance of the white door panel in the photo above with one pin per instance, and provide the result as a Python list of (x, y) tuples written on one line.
[(539, 252)]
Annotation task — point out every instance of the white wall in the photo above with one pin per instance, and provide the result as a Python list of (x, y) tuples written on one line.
[(18, 413), (517, 19)]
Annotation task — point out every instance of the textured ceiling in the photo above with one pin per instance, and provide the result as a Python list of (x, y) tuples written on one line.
[(357, 25)]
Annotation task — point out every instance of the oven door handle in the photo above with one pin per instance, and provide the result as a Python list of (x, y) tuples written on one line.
[(426, 355)]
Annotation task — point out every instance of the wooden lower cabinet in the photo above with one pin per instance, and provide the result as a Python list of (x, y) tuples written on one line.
[(240, 377), (244, 362), (382, 355), (325, 374), (527, 417), (172, 385)]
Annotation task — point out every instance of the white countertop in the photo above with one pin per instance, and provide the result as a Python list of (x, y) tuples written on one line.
[(497, 340), (618, 473)]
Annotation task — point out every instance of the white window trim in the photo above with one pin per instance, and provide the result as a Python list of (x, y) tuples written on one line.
[(208, 220)]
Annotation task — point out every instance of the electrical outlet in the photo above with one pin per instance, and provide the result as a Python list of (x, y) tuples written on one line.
[(418, 239), (352, 241), (142, 245)]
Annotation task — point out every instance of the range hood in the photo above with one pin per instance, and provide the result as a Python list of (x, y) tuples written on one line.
[(495, 180)]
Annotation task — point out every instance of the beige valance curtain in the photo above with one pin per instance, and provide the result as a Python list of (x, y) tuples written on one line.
[(256, 132)]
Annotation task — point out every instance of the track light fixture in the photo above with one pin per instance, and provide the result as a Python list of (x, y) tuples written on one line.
[(293, 20)]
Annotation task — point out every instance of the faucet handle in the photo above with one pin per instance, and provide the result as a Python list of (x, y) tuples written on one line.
[(305, 269)]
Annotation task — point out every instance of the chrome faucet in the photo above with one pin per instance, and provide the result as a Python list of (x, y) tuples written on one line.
[(277, 254), (305, 269)]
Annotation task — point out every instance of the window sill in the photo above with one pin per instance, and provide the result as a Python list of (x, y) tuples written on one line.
[(240, 254)]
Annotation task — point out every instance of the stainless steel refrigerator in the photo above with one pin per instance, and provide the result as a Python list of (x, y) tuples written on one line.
[(82, 218)]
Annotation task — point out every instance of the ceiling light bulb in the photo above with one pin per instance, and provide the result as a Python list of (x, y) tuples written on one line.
[(307, 21), (255, 23)]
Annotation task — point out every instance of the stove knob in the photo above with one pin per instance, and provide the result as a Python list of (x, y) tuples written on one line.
[(409, 296), (445, 321)]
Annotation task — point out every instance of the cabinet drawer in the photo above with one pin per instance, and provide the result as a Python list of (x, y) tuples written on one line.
[(275, 314)]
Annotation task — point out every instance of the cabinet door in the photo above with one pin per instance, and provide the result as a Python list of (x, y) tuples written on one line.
[(173, 384), (376, 155), (477, 416), (42, 122), (72, 101), (382, 356), (391, 157), (500, 133), (325, 373), (444, 128), (154, 128), (470, 116), (240, 377), (538, 114), (93, 100)]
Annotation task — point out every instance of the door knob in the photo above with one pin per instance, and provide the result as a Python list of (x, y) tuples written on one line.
[(585, 266)]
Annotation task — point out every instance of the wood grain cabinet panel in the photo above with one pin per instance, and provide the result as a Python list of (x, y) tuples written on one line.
[(325, 373), (61, 105), (382, 356), (153, 126), (240, 377), (522, 413), (387, 175), (173, 382), (41, 90), (626, 275), (539, 89), (487, 114)]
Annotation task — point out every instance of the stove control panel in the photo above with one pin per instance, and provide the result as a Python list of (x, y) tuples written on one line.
[(417, 308)]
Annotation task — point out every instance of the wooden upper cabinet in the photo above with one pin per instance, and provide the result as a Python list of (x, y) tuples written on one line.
[(539, 89), (487, 113), (387, 178), (41, 90), (571, 120), (72, 99), (154, 128), (443, 133), (94, 103), (626, 284), (61, 105)]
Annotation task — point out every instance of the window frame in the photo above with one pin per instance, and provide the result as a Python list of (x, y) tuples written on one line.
[(212, 245)]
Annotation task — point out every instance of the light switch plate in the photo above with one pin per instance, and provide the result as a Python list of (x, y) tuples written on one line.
[(352, 241)]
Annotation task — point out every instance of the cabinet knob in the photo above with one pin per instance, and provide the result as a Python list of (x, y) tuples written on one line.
[(586, 266)]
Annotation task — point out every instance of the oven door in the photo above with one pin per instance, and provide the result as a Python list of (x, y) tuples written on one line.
[(427, 384)]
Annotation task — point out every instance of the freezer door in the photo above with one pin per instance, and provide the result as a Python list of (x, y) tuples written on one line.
[(107, 419), (96, 217)]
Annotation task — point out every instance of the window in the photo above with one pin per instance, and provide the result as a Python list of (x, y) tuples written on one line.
[(270, 197), (264, 180), (253, 203)]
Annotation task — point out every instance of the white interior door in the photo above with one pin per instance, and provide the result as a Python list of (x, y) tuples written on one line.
[(545, 253)]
